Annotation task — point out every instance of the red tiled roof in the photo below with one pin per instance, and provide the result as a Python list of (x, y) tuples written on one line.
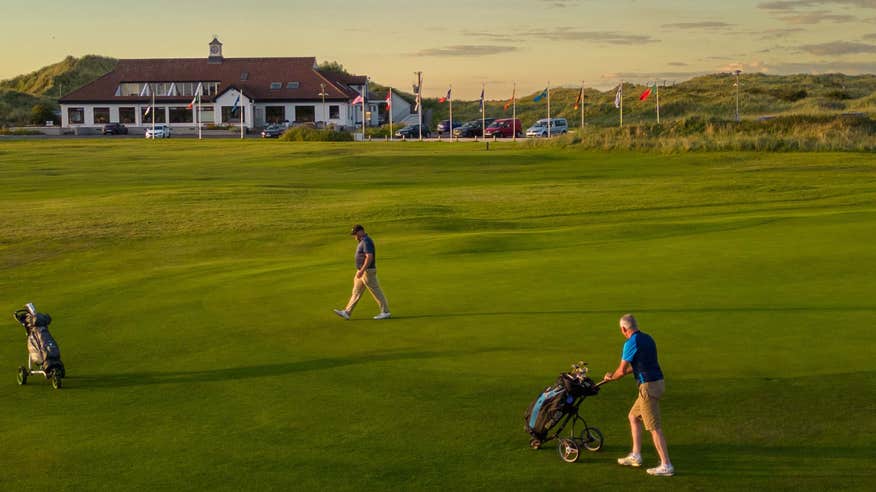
[(261, 72)]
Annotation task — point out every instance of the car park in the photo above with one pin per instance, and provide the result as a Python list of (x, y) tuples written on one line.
[(444, 126), (273, 131), (115, 129), (413, 131), (504, 128), (160, 131), (472, 128), (558, 126)]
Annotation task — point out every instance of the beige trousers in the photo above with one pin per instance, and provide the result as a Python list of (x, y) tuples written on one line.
[(369, 280)]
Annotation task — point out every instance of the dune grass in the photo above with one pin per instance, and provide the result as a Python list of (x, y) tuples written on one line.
[(192, 283)]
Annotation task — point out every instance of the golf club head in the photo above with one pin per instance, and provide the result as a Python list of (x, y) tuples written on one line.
[(30, 308)]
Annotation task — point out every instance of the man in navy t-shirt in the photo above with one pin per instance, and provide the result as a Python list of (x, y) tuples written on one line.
[(640, 358), (366, 276)]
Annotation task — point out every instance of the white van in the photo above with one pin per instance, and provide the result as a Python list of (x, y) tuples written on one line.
[(540, 128)]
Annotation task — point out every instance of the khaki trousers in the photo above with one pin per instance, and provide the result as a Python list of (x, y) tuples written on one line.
[(368, 280)]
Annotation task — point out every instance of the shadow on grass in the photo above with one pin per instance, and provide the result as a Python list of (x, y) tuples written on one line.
[(118, 380), (619, 311)]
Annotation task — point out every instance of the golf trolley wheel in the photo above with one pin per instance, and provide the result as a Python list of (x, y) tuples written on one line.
[(56, 381), (22, 376), (591, 439), (568, 450), (534, 443)]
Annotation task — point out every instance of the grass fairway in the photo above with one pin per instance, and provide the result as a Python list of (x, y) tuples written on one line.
[(191, 284)]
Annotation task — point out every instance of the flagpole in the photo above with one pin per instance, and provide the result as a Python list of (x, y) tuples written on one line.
[(450, 101), (199, 112), (419, 103), (549, 109), (390, 114), (514, 128), (581, 102), (483, 110), (364, 97), (622, 103), (657, 85), (242, 114), (153, 112)]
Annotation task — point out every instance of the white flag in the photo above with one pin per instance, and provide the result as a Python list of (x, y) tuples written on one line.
[(618, 96)]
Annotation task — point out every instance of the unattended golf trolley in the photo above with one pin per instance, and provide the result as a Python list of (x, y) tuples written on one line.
[(43, 354)]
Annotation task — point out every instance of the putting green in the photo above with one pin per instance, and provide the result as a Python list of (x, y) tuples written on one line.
[(192, 283)]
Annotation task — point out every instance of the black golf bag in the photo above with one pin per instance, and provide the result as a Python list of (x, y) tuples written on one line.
[(42, 348), (555, 402)]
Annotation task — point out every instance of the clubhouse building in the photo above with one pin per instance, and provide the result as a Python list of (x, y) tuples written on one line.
[(260, 90)]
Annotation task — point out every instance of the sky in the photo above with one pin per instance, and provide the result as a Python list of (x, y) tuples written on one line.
[(465, 44)]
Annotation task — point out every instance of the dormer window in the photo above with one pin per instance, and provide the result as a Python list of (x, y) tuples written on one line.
[(276, 85), (244, 75), (292, 85)]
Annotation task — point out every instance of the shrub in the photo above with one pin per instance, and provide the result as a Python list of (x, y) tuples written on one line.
[(308, 134)]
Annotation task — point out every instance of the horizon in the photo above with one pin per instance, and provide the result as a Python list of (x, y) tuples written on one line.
[(525, 41)]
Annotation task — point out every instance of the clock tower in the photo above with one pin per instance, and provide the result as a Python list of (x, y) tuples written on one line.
[(215, 51)]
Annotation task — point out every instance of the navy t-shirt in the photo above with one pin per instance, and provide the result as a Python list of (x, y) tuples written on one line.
[(641, 352), (366, 246)]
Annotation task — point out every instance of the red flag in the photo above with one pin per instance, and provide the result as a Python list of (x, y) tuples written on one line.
[(578, 99), (389, 99), (445, 98), (645, 94)]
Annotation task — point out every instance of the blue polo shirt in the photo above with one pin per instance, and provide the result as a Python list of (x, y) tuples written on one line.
[(366, 246), (641, 352)]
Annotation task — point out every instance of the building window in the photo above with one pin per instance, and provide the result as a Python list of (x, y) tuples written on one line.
[(276, 85), (275, 114), (233, 117), (128, 89), (207, 115), (244, 75), (101, 116), (334, 112), (305, 114), (127, 115), (181, 114), (76, 116), (292, 85), (147, 118)]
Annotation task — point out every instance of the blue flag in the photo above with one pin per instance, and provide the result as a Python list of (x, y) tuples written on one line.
[(482, 100), (541, 96), (236, 103)]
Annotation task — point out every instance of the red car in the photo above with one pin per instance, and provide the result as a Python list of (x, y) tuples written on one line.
[(504, 128)]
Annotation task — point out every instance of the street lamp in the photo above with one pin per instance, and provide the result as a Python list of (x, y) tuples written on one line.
[(737, 72), (323, 94)]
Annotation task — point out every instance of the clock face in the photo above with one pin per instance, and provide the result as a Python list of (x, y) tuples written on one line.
[(214, 49)]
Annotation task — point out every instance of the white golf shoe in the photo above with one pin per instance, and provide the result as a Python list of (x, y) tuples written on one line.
[(630, 460), (662, 471), (383, 316), (342, 313)]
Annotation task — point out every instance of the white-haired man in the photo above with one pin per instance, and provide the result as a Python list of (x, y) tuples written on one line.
[(640, 358)]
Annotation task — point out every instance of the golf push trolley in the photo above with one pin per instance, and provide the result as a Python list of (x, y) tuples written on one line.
[(556, 407), (44, 356)]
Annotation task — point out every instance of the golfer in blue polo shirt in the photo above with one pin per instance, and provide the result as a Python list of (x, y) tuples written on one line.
[(640, 358)]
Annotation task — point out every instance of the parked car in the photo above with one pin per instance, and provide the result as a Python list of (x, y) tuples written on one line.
[(444, 126), (273, 131), (540, 128), (160, 131), (413, 131), (472, 128), (504, 128), (115, 129)]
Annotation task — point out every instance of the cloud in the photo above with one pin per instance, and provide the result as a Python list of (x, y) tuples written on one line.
[(677, 64), (788, 5), (466, 50), (849, 68), (817, 17), (698, 25), (779, 33), (568, 34), (560, 3), (870, 36), (605, 37), (838, 48)]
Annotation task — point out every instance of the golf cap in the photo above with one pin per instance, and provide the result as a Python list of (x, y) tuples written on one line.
[(356, 228)]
